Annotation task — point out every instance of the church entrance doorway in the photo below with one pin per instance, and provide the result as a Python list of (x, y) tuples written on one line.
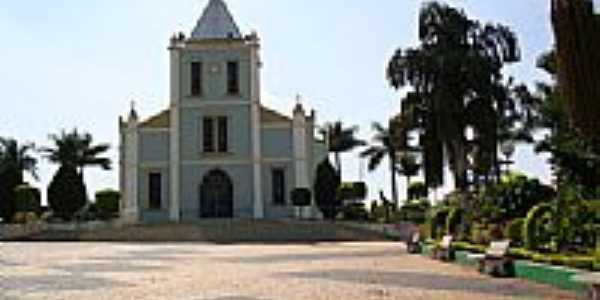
[(216, 195)]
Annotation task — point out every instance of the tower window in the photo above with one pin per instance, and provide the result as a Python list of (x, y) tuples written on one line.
[(278, 186), (233, 80), (215, 135), (208, 136), (155, 189), (223, 134), (196, 78)]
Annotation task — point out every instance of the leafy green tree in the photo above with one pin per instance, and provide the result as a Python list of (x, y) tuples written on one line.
[(340, 140), (326, 187), (457, 68), (15, 160), (574, 160), (576, 29), (383, 146)]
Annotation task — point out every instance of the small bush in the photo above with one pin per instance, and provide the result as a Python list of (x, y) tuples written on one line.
[(453, 221), (514, 231), (352, 191), (531, 230), (415, 212), (20, 218), (27, 199), (438, 222), (31, 217), (107, 203), (480, 234), (301, 197), (355, 212)]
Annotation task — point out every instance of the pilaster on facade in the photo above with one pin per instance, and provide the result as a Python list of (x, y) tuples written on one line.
[(255, 63), (177, 44), (130, 168)]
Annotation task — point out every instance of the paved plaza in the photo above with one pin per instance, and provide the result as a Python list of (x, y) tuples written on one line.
[(340, 271)]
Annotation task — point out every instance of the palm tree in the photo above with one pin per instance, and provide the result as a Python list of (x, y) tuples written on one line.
[(341, 139), (15, 160), (74, 149), (383, 147)]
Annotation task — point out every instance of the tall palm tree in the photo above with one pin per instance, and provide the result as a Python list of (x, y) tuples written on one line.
[(383, 146), (74, 149), (15, 160), (341, 139)]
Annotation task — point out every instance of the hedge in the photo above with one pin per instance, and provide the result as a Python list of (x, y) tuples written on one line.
[(107, 203), (27, 199), (301, 197), (514, 231), (530, 227), (352, 191)]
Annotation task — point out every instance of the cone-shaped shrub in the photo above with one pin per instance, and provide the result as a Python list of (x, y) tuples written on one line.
[(66, 193)]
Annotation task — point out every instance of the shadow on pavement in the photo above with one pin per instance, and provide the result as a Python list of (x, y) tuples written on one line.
[(282, 258), (427, 281)]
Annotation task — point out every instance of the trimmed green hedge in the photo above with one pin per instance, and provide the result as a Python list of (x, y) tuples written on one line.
[(530, 227), (514, 231), (27, 199), (464, 246), (107, 203)]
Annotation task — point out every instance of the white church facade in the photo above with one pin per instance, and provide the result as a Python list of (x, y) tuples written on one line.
[(216, 151)]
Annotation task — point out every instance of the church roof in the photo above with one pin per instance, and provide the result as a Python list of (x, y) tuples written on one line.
[(216, 23), (270, 116), (163, 119)]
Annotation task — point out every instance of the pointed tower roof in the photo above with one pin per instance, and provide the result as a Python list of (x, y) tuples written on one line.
[(216, 23)]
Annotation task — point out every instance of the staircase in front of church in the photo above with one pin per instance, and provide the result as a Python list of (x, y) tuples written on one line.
[(224, 231)]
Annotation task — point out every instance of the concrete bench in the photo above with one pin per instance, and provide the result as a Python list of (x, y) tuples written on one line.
[(443, 251), (413, 245), (592, 280), (495, 261)]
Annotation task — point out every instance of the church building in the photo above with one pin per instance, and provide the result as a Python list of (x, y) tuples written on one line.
[(216, 151)]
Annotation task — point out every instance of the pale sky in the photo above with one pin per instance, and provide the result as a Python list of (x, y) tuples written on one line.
[(71, 63)]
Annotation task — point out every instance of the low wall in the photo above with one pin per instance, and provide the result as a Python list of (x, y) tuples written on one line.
[(18, 231), (400, 231), (15, 231)]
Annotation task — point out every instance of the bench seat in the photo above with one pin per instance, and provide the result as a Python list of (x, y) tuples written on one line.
[(443, 251), (592, 280), (495, 261)]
